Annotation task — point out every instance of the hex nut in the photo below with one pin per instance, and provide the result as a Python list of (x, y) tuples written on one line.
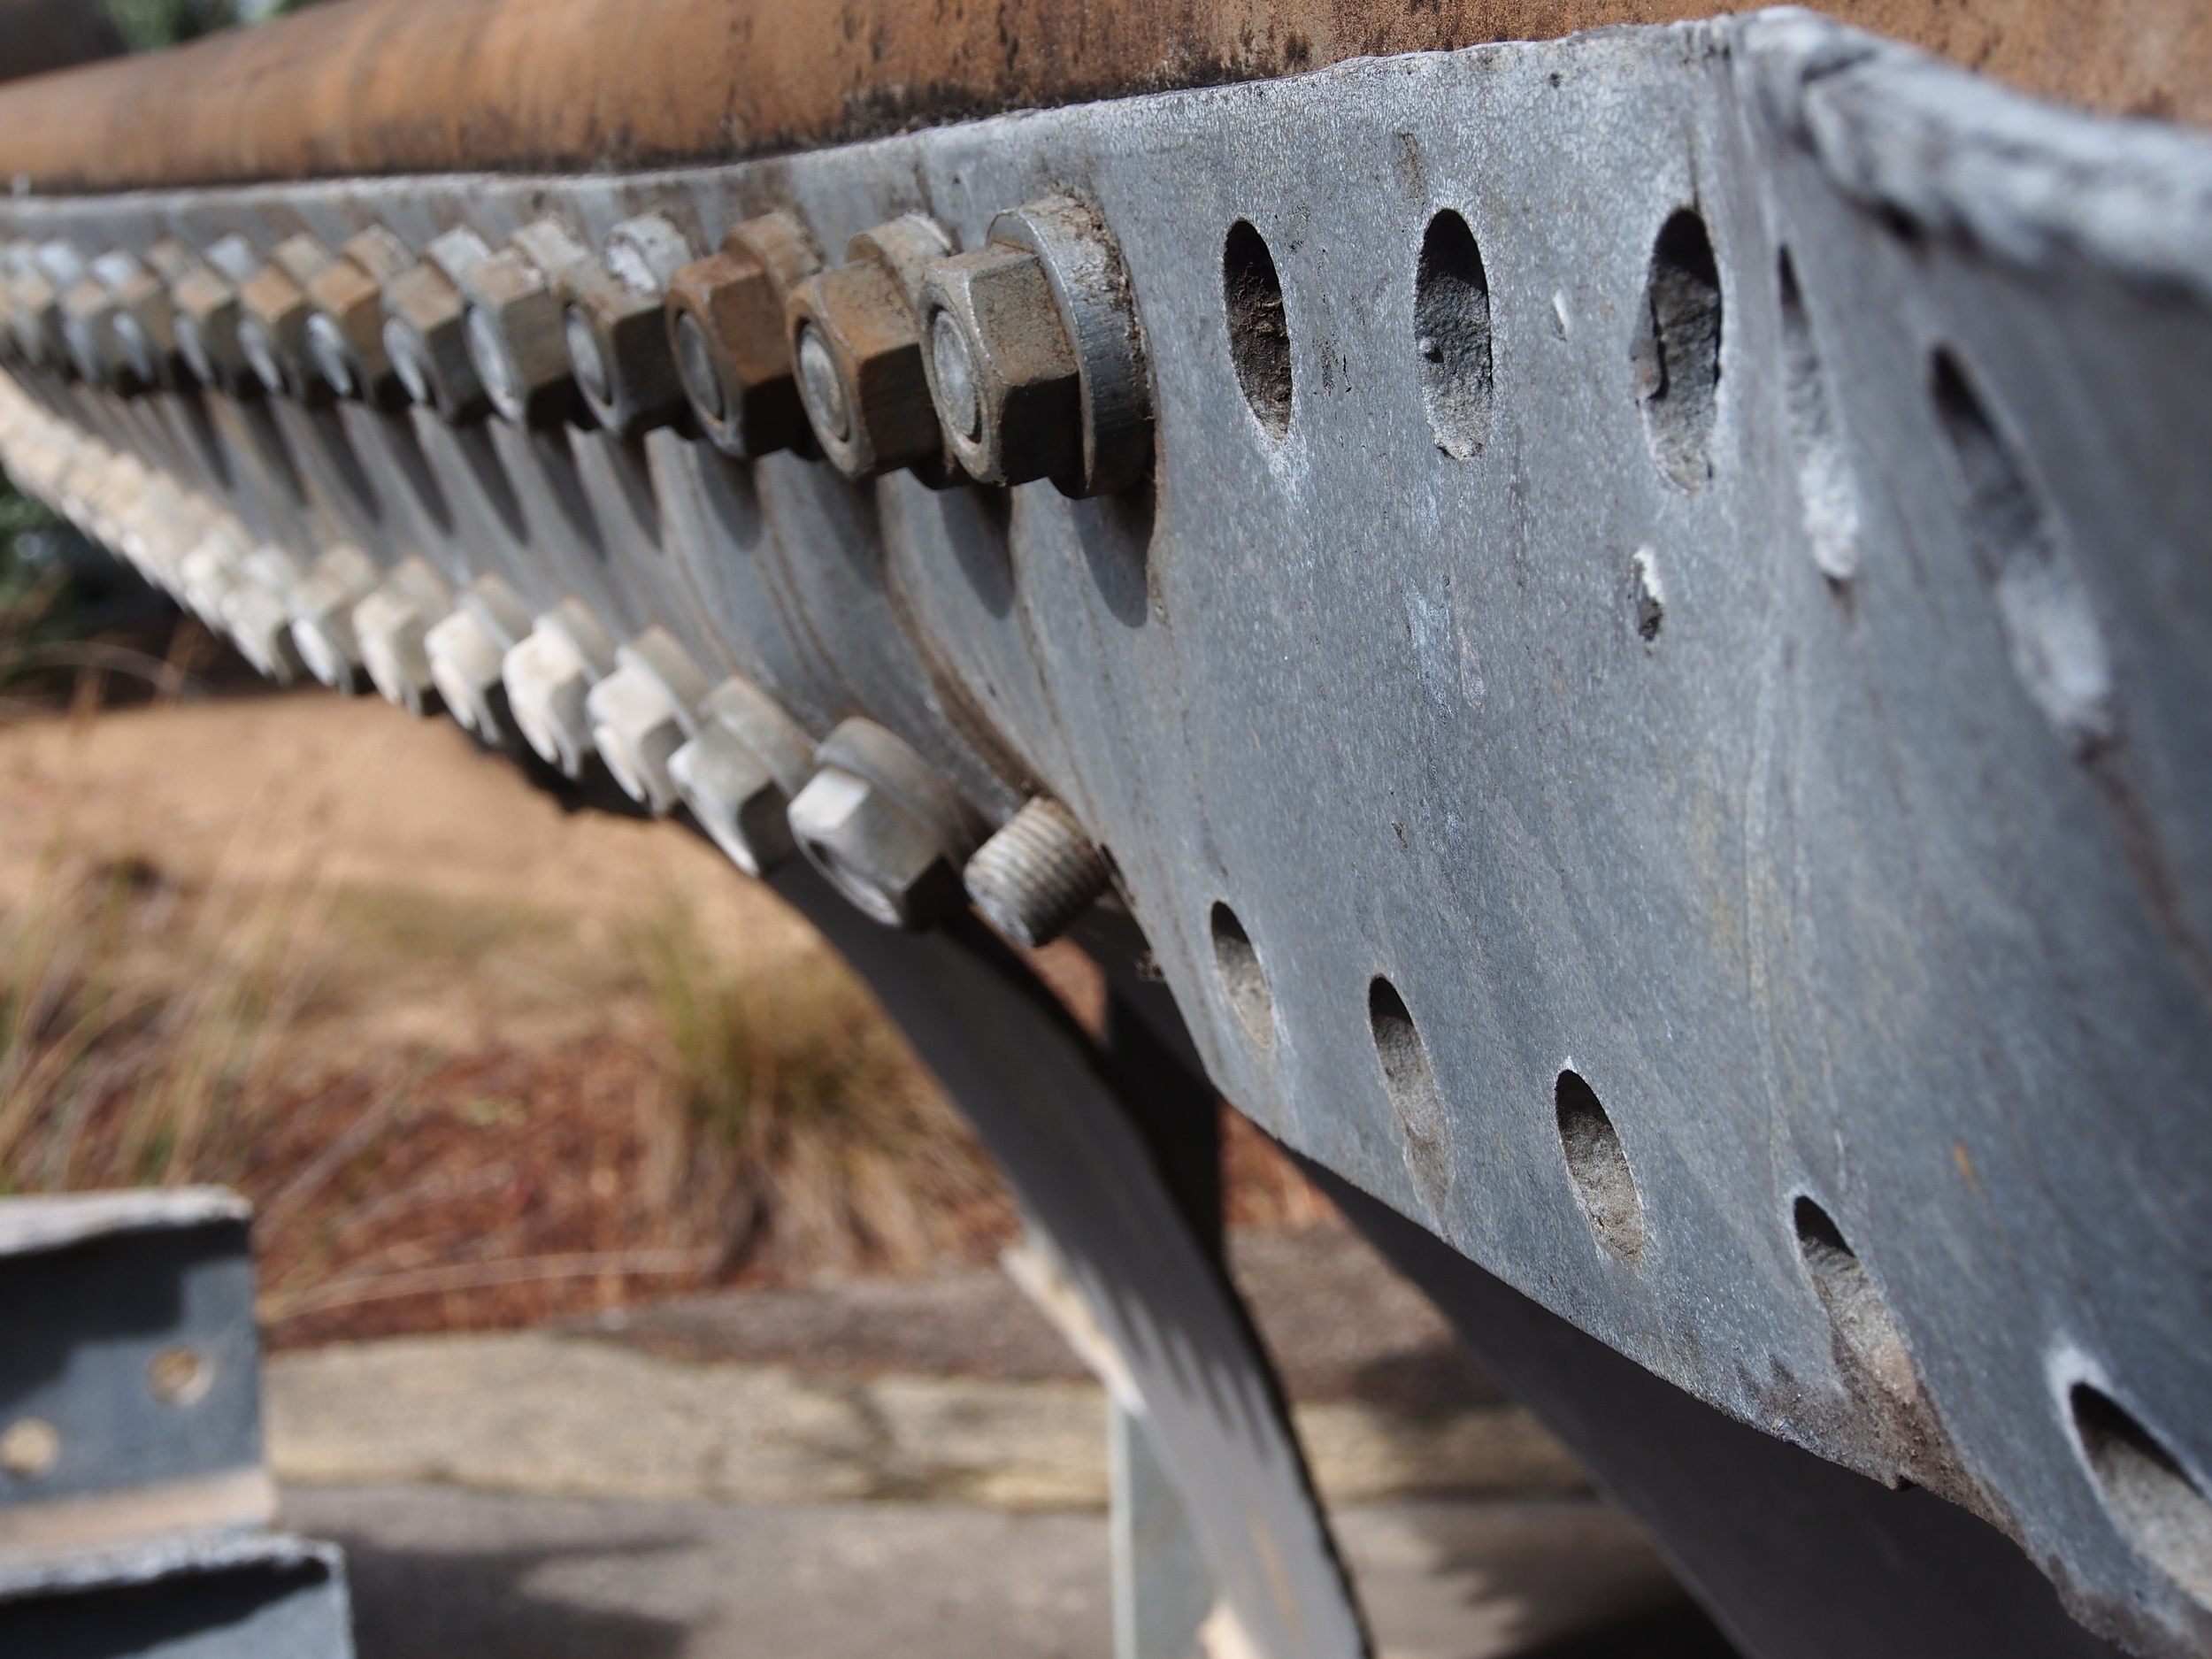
[(1036, 360), (643, 712), (322, 605), (206, 572), (392, 624), (207, 314), (259, 623), (616, 327), (889, 866), (88, 319), (272, 312), (1037, 873), (466, 651), (740, 772), (1002, 372), (549, 675), (345, 334), (38, 322), (517, 326), (855, 346), (725, 318), (883, 828), (425, 328)]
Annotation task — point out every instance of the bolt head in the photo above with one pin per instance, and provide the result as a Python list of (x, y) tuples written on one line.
[(726, 322), (890, 865), (1003, 371), (392, 632), (273, 333), (859, 356), (548, 684), (736, 799), (637, 729), (618, 349), (427, 338), (467, 661), (518, 340)]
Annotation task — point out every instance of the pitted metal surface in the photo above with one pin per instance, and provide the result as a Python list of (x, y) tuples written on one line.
[(1651, 708)]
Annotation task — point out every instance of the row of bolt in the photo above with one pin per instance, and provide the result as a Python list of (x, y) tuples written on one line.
[(1020, 360), (862, 805)]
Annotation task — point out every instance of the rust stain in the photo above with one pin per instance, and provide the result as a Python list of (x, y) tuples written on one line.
[(394, 86)]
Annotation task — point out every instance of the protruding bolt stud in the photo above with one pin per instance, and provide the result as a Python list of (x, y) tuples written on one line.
[(549, 676), (425, 328), (274, 309), (855, 342), (615, 327), (322, 607), (1036, 359), (643, 712), (517, 325), (208, 315), (345, 326), (884, 828), (1037, 873), (467, 652), (392, 626), (725, 317), (739, 773)]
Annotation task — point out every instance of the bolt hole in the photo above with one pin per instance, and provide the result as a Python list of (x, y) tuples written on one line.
[(1677, 355), (29, 1446), (2151, 1496), (1599, 1165), (1242, 976), (1259, 336), (1826, 501), (2051, 634), (179, 1376), (1451, 322), (1411, 1082), (1855, 1307)]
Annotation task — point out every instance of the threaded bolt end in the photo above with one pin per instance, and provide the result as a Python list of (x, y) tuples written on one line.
[(1037, 875)]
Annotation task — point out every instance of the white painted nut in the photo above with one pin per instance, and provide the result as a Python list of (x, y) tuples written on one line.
[(879, 824), (1036, 874), (739, 773), (207, 573), (515, 325), (549, 677), (643, 712), (260, 624), (467, 652), (391, 626), (322, 614)]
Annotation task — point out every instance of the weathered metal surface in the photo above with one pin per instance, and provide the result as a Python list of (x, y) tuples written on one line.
[(1651, 711), (190, 1596), (391, 86), (132, 1489), (129, 1394)]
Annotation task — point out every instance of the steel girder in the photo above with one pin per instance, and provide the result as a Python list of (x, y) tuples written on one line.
[(1650, 708)]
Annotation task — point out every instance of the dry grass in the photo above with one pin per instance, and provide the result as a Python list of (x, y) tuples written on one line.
[(720, 1124), (798, 1126)]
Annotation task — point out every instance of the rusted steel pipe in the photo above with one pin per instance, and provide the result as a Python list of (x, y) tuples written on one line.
[(391, 86)]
